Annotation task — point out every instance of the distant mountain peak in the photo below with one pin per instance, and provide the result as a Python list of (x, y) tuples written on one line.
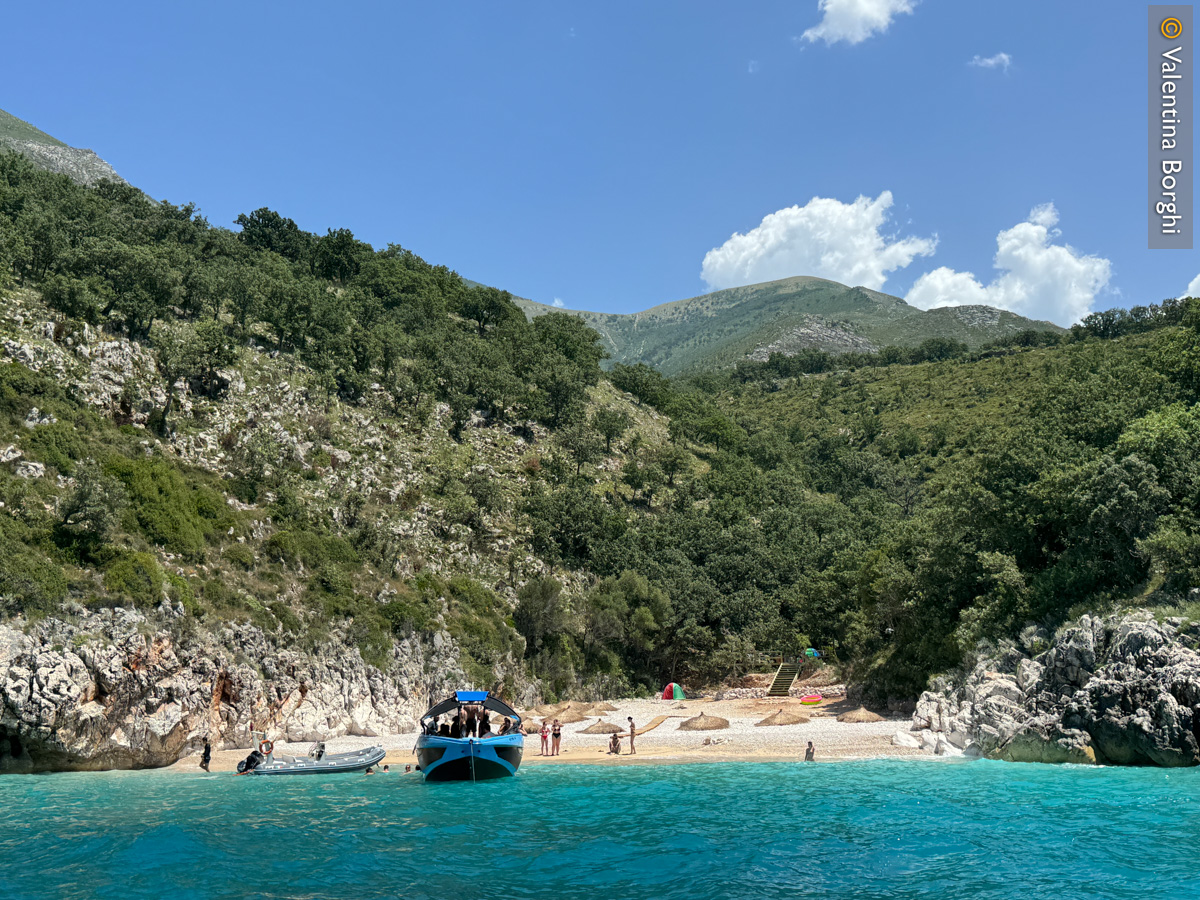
[(786, 316), (48, 152)]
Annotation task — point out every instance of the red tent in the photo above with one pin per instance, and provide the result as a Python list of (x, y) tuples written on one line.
[(672, 692)]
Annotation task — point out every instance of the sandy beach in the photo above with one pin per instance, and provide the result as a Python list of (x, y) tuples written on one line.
[(664, 743)]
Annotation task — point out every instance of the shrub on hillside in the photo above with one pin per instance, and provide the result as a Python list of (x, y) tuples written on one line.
[(168, 508), (29, 581), (136, 577)]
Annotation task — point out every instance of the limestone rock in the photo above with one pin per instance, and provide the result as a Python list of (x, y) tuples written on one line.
[(115, 689), (1122, 690)]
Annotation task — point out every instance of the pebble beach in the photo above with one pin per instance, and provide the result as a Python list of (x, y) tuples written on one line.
[(743, 740)]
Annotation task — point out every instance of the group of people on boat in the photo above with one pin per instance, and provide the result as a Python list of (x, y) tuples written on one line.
[(470, 720)]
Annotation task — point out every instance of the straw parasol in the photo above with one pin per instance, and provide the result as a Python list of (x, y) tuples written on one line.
[(569, 717), (862, 714), (703, 723), (784, 718), (602, 727), (604, 707), (530, 727), (549, 709), (585, 709)]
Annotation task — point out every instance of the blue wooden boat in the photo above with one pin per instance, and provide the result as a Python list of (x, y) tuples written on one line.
[(457, 757)]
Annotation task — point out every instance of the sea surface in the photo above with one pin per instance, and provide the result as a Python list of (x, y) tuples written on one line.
[(875, 829)]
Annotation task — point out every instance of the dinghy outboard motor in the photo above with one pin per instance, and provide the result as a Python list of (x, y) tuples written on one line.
[(251, 762)]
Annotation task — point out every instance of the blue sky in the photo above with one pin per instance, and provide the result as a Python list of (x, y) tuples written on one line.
[(597, 153)]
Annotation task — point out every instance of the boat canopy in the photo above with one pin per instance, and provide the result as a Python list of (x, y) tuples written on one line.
[(489, 702)]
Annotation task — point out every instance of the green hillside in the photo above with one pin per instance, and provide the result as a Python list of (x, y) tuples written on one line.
[(329, 442), (14, 129), (719, 329)]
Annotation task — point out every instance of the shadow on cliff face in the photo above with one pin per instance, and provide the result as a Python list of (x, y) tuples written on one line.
[(14, 756)]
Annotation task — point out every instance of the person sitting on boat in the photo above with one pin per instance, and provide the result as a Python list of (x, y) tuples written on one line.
[(444, 730), (456, 726), (485, 726)]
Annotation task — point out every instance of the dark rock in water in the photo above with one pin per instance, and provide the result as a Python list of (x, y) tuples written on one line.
[(1123, 690)]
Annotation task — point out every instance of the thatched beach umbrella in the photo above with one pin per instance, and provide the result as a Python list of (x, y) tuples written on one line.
[(862, 714), (530, 726), (784, 718), (569, 717), (602, 727), (703, 723), (603, 707)]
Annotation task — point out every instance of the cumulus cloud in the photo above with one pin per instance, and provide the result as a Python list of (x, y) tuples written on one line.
[(1193, 289), (853, 21), (825, 237), (1038, 278), (999, 61), (559, 303), (752, 67)]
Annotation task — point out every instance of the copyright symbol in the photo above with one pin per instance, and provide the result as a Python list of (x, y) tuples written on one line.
[(1171, 28)]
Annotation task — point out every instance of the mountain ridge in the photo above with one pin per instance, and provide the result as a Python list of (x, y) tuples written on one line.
[(719, 329), (81, 165)]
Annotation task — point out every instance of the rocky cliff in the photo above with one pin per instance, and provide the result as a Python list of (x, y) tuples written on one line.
[(80, 165), (1119, 690), (114, 688)]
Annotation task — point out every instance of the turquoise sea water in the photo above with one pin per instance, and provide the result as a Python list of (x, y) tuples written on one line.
[(877, 829)]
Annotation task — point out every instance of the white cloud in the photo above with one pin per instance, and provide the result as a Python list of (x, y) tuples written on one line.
[(825, 237), (853, 21), (1193, 289), (1038, 278), (752, 67), (999, 61), (559, 303)]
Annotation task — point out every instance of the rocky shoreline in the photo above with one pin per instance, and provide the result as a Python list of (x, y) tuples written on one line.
[(117, 689), (1121, 690)]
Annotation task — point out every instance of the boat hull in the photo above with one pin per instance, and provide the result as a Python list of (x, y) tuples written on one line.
[(331, 764), (469, 759)]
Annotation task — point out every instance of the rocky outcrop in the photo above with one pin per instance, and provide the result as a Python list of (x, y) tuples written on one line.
[(1120, 690), (82, 166), (813, 334), (117, 689)]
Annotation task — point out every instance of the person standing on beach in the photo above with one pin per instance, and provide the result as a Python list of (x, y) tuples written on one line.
[(556, 738), (808, 753), (545, 737), (632, 735), (206, 756)]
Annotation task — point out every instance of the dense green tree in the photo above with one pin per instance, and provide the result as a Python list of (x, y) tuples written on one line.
[(611, 424)]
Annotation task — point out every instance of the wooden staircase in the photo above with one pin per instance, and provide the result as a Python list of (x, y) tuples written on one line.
[(783, 679)]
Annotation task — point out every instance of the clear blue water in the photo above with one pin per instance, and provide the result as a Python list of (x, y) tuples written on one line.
[(887, 828)]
